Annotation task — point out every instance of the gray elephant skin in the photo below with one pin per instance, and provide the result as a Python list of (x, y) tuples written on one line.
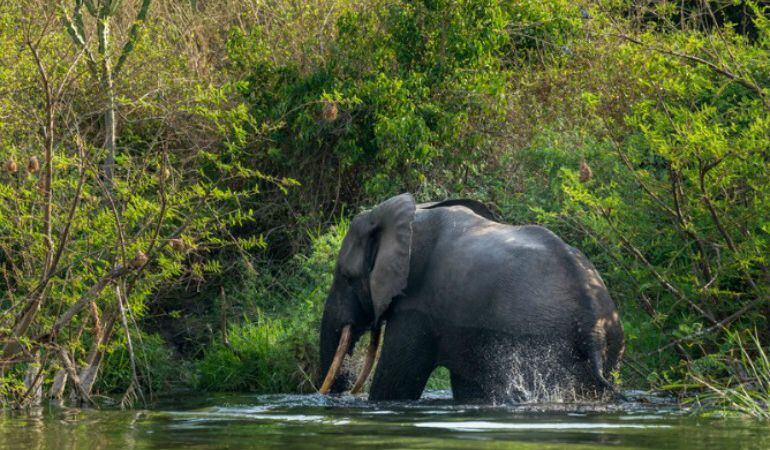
[(454, 287)]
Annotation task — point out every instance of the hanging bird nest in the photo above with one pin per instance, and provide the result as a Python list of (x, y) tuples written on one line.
[(177, 245), (329, 111), (11, 166), (140, 259), (33, 165), (585, 172)]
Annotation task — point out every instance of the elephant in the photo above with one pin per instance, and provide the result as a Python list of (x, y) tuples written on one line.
[(452, 286)]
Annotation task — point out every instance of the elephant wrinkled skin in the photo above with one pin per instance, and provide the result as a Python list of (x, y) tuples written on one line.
[(456, 288)]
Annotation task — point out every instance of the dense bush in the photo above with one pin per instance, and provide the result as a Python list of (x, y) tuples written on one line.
[(407, 94)]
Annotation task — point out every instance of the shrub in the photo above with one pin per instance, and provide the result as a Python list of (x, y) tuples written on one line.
[(158, 368), (255, 358)]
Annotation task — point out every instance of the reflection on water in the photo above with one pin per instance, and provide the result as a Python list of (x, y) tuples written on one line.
[(314, 421)]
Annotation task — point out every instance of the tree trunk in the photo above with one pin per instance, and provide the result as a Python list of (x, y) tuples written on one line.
[(88, 373), (59, 383), (108, 87), (33, 382), (109, 133)]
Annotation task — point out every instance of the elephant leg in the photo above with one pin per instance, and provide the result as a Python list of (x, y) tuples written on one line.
[(407, 359), (464, 390)]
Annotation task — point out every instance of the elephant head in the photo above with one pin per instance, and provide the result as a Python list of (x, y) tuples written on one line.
[(372, 268)]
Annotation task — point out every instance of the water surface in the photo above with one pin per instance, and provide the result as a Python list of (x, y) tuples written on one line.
[(317, 422)]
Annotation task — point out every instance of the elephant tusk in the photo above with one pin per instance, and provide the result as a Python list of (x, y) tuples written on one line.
[(334, 369), (371, 353)]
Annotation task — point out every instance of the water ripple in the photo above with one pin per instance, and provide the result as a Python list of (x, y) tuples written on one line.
[(477, 425)]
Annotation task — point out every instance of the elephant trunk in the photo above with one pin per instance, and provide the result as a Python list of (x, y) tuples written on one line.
[(342, 324)]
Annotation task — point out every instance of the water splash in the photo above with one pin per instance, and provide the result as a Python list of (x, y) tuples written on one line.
[(537, 374)]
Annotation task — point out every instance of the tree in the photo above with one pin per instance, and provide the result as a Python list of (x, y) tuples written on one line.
[(100, 62)]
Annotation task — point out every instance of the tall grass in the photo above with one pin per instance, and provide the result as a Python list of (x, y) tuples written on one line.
[(746, 388), (269, 355)]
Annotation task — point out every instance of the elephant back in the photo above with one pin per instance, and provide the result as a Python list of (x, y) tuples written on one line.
[(477, 207)]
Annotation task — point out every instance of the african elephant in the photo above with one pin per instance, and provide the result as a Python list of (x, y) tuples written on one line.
[(458, 289)]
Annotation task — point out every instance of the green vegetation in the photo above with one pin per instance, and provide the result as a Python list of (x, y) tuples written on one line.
[(747, 390), (175, 186), (276, 351)]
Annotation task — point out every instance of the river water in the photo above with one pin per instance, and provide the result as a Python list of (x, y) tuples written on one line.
[(317, 422)]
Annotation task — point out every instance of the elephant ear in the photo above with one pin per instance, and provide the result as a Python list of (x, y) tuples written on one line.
[(392, 250)]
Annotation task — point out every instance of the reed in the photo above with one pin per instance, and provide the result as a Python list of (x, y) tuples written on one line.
[(746, 388)]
